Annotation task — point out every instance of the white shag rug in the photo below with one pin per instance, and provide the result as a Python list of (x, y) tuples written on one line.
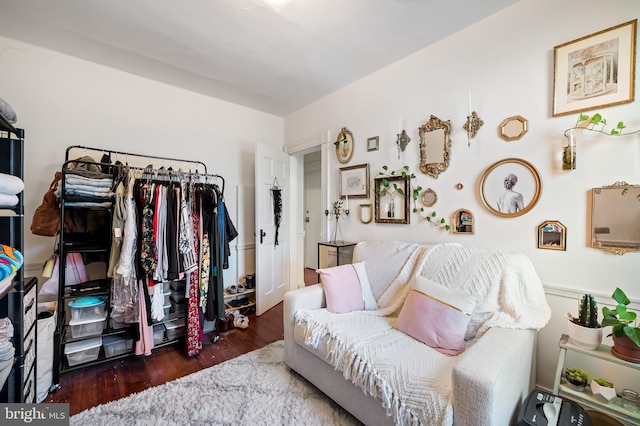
[(256, 388)]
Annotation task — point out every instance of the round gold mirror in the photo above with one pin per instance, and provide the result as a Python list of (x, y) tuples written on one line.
[(513, 128), (429, 197)]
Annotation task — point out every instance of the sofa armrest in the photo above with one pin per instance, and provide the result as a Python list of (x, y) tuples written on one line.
[(493, 377), (310, 297)]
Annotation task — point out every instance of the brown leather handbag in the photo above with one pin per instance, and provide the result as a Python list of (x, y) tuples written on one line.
[(46, 219)]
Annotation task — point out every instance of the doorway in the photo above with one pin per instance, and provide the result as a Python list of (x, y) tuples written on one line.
[(313, 214)]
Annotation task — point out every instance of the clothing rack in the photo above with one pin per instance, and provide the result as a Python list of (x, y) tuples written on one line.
[(161, 174), (133, 156)]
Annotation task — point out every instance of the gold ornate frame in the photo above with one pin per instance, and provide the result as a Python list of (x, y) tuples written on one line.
[(435, 168)]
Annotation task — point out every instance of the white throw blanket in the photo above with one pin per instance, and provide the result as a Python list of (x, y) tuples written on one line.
[(412, 380)]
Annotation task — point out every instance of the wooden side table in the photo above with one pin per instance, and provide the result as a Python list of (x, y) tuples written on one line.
[(341, 251)]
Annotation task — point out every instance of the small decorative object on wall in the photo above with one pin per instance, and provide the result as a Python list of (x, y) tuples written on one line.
[(276, 194), (337, 212), (392, 199), (402, 141), (472, 125), (513, 128), (596, 70), (354, 182), (614, 218), (595, 123), (365, 213), (552, 235), (510, 187), (429, 197), (462, 222), (373, 144), (344, 145), (435, 146), (459, 186)]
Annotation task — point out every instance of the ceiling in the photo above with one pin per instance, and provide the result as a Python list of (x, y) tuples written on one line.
[(243, 51)]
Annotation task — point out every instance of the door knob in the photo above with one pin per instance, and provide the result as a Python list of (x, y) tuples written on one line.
[(262, 235)]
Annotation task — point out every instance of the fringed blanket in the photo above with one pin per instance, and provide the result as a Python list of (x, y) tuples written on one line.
[(412, 380)]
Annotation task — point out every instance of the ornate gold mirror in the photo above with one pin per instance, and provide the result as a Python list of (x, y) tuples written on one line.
[(513, 128), (615, 214), (435, 146), (462, 222), (428, 197)]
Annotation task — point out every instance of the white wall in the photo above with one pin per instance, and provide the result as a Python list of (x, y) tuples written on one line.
[(61, 100), (506, 63)]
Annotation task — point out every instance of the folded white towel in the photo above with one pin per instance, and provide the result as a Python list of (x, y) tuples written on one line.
[(10, 184), (8, 200)]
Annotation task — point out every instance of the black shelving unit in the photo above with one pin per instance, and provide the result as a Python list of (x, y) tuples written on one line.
[(19, 301)]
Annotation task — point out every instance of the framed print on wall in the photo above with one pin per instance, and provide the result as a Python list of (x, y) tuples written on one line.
[(510, 187), (373, 143), (354, 181), (552, 235), (595, 71)]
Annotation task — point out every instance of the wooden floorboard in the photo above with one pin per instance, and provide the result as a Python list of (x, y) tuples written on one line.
[(98, 384)]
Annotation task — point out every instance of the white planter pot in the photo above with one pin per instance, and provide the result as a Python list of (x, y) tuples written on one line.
[(603, 393), (584, 337)]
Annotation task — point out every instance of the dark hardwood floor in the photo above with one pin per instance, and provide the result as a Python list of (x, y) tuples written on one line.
[(94, 385)]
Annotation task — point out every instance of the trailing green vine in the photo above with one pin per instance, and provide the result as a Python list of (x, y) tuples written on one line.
[(597, 123), (386, 187)]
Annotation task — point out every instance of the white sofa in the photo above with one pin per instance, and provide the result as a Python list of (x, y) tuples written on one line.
[(483, 385)]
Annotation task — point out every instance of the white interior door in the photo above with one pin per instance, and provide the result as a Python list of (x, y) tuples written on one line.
[(272, 168)]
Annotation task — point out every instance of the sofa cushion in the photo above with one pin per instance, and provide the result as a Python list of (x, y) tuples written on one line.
[(347, 288), (383, 261), (436, 315)]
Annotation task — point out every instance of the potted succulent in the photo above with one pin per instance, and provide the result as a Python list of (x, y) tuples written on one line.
[(576, 378), (603, 390), (585, 330), (626, 330)]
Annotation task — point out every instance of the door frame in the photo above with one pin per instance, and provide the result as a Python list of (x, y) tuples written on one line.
[(296, 206)]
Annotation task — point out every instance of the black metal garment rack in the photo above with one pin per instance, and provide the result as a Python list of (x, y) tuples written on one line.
[(97, 241)]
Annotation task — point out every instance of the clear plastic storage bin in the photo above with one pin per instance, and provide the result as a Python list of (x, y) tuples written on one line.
[(116, 345), (85, 328), (87, 308), (83, 351), (158, 333), (175, 329)]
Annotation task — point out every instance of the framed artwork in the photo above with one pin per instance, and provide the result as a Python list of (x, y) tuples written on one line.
[(595, 71), (373, 143), (344, 145), (552, 235), (354, 181), (392, 199), (510, 187)]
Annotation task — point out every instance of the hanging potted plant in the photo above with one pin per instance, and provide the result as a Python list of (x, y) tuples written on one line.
[(603, 390), (626, 330), (576, 378), (585, 330)]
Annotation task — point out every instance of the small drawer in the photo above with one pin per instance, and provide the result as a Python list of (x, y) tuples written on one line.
[(86, 328), (83, 351), (30, 311)]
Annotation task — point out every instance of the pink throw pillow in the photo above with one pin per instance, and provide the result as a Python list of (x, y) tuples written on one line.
[(346, 288), (437, 323)]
